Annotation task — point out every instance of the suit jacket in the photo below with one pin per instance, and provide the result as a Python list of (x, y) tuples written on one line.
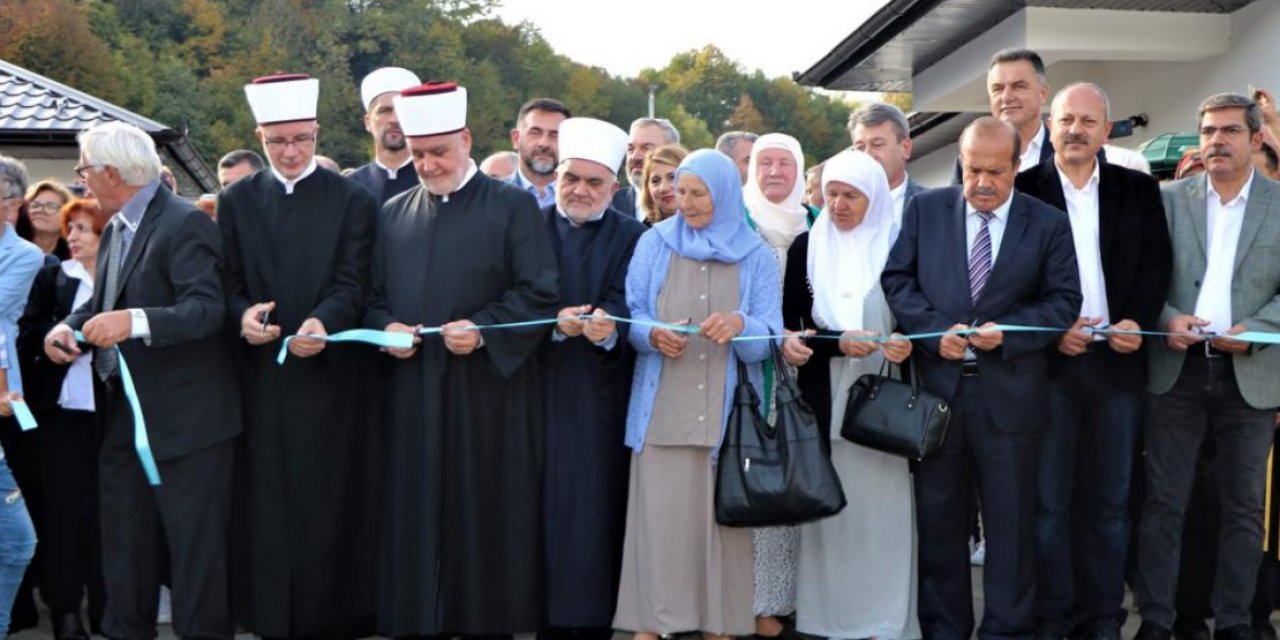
[(51, 299), (1136, 256), (1255, 284), (19, 262), (184, 377), (1034, 281), (913, 188), (625, 200)]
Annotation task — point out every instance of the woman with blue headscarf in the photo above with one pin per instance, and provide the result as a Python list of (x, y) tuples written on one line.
[(705, 268)]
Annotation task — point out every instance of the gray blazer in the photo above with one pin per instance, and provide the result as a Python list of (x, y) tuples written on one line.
[(1255, 284)]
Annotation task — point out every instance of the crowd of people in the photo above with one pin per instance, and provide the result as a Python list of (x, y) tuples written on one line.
[(532, 445)]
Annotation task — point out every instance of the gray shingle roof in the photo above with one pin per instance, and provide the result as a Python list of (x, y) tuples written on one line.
[(32, 102)]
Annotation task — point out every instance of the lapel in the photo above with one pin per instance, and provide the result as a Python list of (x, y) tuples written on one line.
[(1046, 144), (1255, 211), (1110, 195), (1051, 190), (148, 225), (957, 237), (1198, 210), (66, 291)]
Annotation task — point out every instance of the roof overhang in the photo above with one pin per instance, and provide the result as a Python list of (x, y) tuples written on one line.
[(907, 38)]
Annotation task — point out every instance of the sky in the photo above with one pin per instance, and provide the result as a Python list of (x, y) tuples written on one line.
[(777, 37)]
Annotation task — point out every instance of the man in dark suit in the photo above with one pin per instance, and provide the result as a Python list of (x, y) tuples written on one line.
[(1018, 90), (1225, 227), (982, 255), (883, 132), (161, 303), (1096, 380), (647, 134)]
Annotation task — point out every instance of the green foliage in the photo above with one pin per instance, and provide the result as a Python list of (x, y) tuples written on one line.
[(184, 63)]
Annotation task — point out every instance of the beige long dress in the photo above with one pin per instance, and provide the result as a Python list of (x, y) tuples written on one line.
[(680, 570)]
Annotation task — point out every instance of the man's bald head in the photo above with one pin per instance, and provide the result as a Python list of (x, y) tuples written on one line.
[(989, 130), (990, 151)]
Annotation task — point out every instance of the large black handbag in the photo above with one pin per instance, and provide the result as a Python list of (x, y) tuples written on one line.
[(895, 417), (779, 475)]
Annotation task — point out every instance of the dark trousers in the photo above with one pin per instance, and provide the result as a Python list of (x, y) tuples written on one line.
[(1004, 466), (1204, 400), (69, 533), (1082, 520), (182, 522)]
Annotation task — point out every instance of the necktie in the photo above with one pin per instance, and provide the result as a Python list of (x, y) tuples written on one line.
[(980, 258), (105, 360)]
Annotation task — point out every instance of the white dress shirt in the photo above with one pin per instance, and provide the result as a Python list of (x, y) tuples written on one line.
[(1031, 157), (1082, 209), (1223, 236), (899, 194), (77, 387)]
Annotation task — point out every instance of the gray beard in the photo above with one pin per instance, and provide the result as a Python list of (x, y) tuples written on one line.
[(540, 167)]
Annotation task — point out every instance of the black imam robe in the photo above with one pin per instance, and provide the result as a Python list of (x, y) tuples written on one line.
[(587, 391), (461, 543), (310, 442), (375, 179)]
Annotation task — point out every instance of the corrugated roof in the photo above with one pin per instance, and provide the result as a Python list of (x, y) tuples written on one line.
[(906, 37), (32, 102), (34, 107)]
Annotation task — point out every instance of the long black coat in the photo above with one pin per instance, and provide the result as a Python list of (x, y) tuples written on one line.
[(587, 392), (461, 546), (310, 440)]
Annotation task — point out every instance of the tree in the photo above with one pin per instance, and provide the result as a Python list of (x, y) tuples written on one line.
[(746, 117)]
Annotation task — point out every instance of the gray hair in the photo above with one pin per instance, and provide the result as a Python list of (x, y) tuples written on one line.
[(669, 131), (123, 146), (14, 176), (729, 140), (1252, 114), (815, 169), (1106, 100), (1015, 54), (878, 113)]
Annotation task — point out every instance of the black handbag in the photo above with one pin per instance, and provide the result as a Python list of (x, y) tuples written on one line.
[(895, 417), (779, 475)]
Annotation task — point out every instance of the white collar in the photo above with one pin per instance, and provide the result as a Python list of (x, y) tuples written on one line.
[(290, 184), (1091, 183), (898, 191), (392, 174), (1001, 212), (1242, 197), (75, 270), (1037, 141), (471, 173)]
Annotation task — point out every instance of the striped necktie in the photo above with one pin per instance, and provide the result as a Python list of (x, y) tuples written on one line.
[(980, 257)]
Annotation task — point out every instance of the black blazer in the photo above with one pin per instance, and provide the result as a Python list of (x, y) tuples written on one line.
[(1137, 257), (625, 200), (1034, 282), (184, 376), (52, 294)]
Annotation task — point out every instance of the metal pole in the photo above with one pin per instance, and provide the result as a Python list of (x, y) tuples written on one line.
[(652, 88)]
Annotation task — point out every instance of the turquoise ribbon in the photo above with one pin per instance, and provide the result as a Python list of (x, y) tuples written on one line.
[(23, 414), (384, 339), (426, 331), (141, 442)]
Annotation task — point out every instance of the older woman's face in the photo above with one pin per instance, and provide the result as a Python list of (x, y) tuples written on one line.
[(662, 188), (694, 200), (776, 173), (81, 239), (846, 204), (43, 210)]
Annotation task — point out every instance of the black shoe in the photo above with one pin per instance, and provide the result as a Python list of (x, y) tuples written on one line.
[(1102, 632), (1049, 632), (1263, 629), (1153, 631), (1197, 630), (1235, 632), (67, 626)]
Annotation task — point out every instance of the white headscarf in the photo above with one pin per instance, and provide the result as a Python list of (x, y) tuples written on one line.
[(778, 223), (844, 266)]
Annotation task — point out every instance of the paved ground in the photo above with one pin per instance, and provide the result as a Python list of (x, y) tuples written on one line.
[(166, 631)]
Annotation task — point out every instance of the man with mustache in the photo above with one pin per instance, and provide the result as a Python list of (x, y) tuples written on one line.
[(536, 140), (390, 173), (647, 134), (586, 471), (1225, 227), (1096, 380), (979, 255)]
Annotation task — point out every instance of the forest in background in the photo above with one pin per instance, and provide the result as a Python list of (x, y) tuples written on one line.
[(184, 62)]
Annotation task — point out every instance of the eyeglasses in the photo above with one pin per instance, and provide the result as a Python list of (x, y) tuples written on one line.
[(80, 169), (297, 141), (46, 206)]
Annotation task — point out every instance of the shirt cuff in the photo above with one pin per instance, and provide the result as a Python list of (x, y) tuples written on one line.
[(141, 327), (556, 336), (608, 343)]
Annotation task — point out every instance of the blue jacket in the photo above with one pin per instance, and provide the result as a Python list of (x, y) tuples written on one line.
[(19, 262), (760, 306)]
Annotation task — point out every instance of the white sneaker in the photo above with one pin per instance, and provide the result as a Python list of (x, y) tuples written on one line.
[(979, 557), (164, 613)]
